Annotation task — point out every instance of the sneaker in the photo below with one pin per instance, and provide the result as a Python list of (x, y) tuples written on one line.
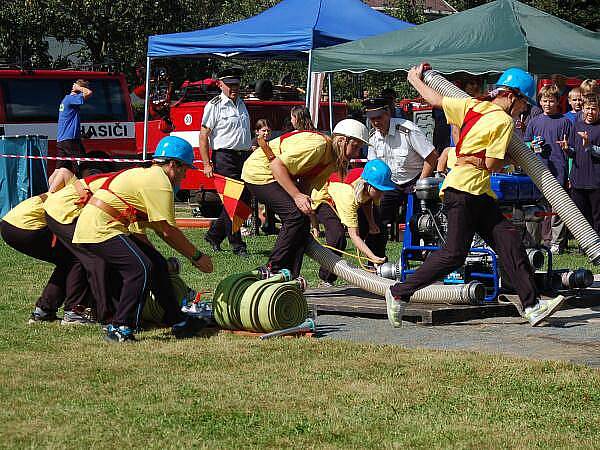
[(74, 318), (90, 314), (542, 310), (119, 334), (241, 252), (395, 308), (39, 315), (216, 246), (187, 328), (555, 249)]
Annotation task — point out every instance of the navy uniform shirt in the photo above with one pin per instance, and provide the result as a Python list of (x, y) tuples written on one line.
[(585, 173), (552, 128)]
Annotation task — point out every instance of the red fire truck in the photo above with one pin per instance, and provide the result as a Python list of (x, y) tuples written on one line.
[(29, 101)]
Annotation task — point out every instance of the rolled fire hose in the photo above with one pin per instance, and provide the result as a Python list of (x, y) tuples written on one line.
[(587, 238), (246, 302), (273, 304), (227, 297), (153, 312), (470, 293)]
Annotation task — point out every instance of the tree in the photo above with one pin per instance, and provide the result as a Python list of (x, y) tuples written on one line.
[(585, 13), (22, 26), (408, 10)]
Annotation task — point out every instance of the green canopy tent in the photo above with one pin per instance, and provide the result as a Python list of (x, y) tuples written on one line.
[(488, 38)]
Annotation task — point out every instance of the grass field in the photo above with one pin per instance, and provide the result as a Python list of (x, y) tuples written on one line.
[(64, 387)]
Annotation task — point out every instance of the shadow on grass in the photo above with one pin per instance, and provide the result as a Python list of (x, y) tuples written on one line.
[(323, 331)]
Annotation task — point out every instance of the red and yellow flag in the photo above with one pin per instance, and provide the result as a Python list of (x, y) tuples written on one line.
[(234, 197)]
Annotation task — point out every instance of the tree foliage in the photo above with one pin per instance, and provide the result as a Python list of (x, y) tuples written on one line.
[(585, 13)]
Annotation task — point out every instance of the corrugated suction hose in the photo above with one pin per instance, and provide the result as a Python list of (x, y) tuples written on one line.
[(549, 186), (471, 293)]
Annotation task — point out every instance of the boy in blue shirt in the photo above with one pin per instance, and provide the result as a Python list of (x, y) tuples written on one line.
[(68, 135)]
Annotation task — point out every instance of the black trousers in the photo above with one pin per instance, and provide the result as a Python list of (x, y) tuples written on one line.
[(465, 218), (95, 268), (228, 163), (588, 202), (389, 207), (160, 284), (295, 227), (67, 283), (335, 235), (71, 148), (123, 255)]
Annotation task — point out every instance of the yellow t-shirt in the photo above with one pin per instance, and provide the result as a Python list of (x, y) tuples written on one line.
[(256, 169), (307, 155), (28, 215), (341, 197), (491, 133), (147, 189), (61, 205)]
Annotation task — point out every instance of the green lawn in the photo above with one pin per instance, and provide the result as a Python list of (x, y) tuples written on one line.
[(64, 387)]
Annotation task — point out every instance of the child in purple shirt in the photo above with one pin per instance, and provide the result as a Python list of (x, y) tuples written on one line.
[(546, 131), (585, 173), (576, 103)]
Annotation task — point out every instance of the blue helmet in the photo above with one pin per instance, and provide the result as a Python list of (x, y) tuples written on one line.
[(173, 147), (520, 80), (379, 175)]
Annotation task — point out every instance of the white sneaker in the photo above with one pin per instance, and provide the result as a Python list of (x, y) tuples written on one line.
[(555, 249), (395, 308), (542, 310)]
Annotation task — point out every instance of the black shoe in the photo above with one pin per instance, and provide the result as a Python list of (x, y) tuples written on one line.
[(41, 315), (241, 252), (216, 247), (187, 328)]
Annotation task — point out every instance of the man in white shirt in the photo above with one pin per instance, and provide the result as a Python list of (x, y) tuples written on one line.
[(403, 147), (225, 129)]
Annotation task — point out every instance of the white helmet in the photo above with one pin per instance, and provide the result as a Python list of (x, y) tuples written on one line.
[(352, 128)]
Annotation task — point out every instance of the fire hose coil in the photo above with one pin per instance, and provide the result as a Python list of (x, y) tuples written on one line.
[(244, 301)]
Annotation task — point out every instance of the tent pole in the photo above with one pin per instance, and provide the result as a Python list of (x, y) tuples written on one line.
[(308, 80), (146, 104), (330, 92)]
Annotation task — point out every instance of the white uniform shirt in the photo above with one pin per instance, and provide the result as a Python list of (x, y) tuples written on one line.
[(229, 123), (404, 149)]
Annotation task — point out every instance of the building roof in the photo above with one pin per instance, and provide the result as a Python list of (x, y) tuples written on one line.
[(430, 6)]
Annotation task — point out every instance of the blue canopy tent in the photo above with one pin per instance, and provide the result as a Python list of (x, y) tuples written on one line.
[(289, 30)]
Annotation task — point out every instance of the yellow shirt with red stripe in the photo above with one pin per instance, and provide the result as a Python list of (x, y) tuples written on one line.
[(149, 190), (28, 215), (340, 196), (491, 133), (307, 155), (61, 205)]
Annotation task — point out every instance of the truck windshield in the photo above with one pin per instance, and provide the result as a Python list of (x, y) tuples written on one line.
[(37, 100)]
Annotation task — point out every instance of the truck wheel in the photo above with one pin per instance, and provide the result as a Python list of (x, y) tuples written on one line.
[(209, 203), (182, 195)]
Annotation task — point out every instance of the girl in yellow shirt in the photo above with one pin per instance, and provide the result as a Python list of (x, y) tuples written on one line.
[(341, 205), (301, 161), (24, 228)]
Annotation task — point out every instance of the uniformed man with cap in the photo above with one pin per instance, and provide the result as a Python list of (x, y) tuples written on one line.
[(404, 148), (225, 129)]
